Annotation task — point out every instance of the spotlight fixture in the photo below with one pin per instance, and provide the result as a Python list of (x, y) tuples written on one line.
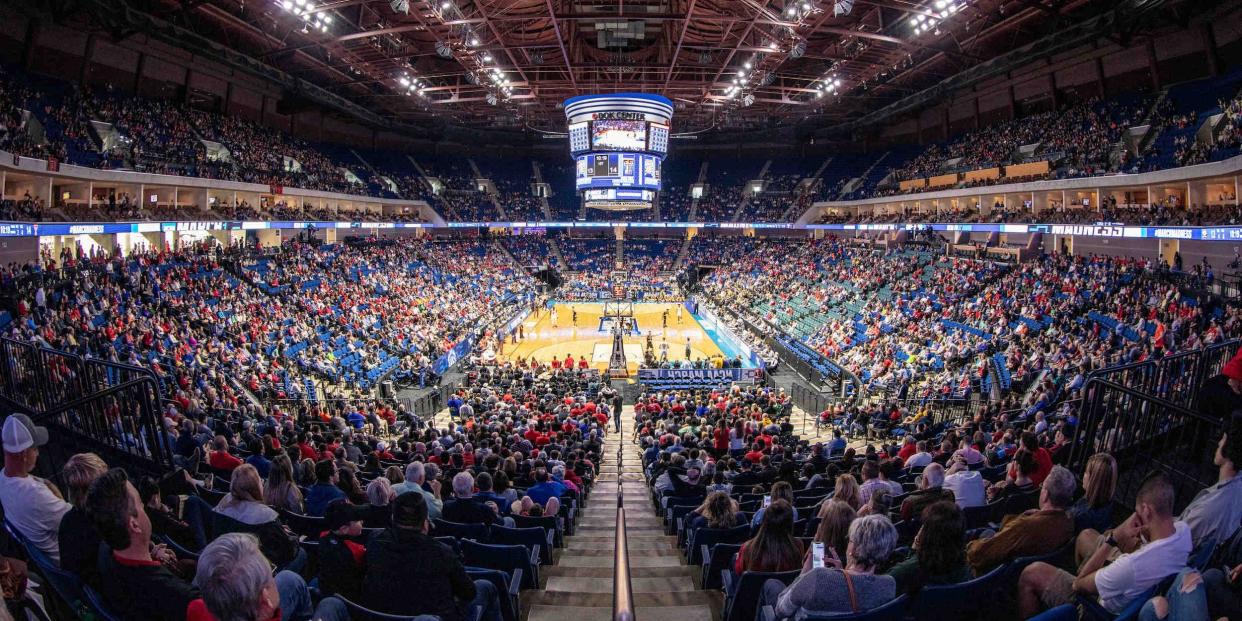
[(306, 11)]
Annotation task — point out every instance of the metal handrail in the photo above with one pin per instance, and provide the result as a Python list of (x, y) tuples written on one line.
[(622, 595)]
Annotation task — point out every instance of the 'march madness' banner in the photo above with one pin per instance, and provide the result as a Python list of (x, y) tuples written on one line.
[(721, 375)]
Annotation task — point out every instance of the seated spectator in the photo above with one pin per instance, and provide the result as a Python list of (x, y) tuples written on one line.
[(1034, 532), (968, 487), (436, 585), (781, 490), (244, 502), (1164, 553), (774, 547), (282, 491), (79, 541), (847, 491), (930, 490), (186, 524), (324, 491), (32, 505), (1094, 510), (219, 457), (464, 508), (939, 555), (871, 480), (835, 518), (1215, 514), (921, 458), (415, 477), (1024, 467), (848, 585), (379, 496), (235, 582), (341, 551), (545, 487), (133, 565), (1043, 460), (717, 511)]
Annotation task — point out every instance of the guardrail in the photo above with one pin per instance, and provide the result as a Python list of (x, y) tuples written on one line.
[(622, 594)]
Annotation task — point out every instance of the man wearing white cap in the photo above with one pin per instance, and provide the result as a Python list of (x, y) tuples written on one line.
[(29, 503)]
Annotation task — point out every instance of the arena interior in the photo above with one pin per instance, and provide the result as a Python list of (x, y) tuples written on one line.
[(605, 310)]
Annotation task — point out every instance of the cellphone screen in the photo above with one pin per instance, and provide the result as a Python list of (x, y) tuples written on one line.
[(767, 500), (817, 554)]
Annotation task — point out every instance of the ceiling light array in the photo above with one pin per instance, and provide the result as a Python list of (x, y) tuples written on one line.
[(306, 10), (742, 79), (827, 86), (795, 11), (412, 85), (925, 23)]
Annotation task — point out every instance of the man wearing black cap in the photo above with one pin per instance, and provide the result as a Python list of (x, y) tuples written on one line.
[(341, 553), (409, 573)]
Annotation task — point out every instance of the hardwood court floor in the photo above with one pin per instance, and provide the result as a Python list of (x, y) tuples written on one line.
[(543, 340)]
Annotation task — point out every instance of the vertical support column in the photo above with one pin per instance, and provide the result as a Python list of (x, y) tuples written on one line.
[(1153, 64), (1208, 37), (138, 70), (32, 35), (86, 59), (1099, 73)]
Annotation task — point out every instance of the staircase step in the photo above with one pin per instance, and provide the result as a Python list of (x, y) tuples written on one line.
[(637, 585)]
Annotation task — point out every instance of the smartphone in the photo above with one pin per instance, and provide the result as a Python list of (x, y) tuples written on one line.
[(817, 554), (767, 500)]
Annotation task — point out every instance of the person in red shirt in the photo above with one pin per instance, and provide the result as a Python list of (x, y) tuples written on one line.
[(908, 448), (756, 453), (1043, 460), (306, 448), (720, 440), (219, 457)]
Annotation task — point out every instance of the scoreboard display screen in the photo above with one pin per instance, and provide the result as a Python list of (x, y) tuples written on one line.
[(618, 170), (657, 138), (619, 135)]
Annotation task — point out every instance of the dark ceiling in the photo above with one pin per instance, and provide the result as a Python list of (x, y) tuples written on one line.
[(735, 65)]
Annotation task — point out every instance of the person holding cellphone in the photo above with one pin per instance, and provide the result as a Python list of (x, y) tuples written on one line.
[(829, 584)]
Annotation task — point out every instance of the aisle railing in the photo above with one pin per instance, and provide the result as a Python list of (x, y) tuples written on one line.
[(622, 596)]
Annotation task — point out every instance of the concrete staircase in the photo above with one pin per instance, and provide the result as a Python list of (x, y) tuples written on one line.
[(579, 586)]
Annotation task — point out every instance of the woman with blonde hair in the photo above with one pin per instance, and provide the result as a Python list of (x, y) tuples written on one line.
[(1099, 481), (835, 517), (847, 491), (79, 541), (282, 491), (244, 502)]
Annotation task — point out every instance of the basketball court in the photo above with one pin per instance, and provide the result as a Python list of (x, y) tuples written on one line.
[(591, 336)]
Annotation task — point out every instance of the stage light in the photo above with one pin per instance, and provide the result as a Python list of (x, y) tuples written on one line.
[(327, 19), (940, 4), (288, 5), (773, 46), (404, 81), (791, 12), (474, 42), (842, 7), (444, 6), (487, 58), (747, 64), (741, 72)]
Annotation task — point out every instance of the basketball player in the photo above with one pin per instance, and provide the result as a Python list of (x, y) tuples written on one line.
[(553, 316), (687, 349), (575, 315), (665, 315), (679, 314)]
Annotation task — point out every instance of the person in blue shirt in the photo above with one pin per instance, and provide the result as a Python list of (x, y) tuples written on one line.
[(837, 445), (546, 488), (356, 419), (324, 491), (454, 406), (257, 459)]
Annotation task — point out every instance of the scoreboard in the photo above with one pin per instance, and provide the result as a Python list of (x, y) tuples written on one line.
[(618, 142)]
